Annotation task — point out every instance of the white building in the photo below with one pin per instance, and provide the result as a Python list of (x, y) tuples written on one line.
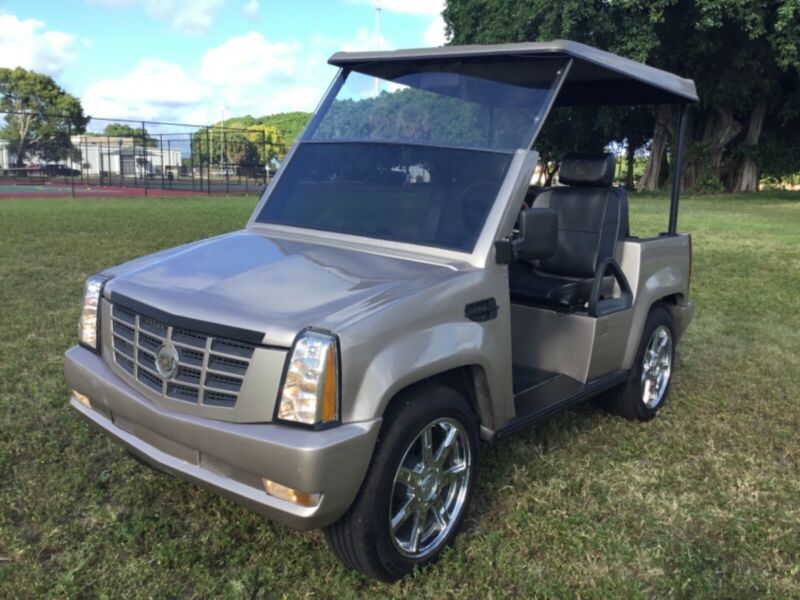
[(104, 155)]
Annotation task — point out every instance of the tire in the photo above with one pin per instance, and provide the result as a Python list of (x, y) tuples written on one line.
[(364, 539), (634, 400)]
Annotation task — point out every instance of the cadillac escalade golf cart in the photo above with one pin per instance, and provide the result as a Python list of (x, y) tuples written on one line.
[(335, 363)]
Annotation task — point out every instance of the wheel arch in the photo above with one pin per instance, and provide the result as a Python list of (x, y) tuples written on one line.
[(470, 381), (673, 301)]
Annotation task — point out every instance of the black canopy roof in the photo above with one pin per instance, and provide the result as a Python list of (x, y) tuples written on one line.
[(595, 78)]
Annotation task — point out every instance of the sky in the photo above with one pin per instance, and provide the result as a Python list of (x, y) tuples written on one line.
[(191, 61)]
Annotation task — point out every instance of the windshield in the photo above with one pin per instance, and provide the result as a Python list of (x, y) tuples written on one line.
[(414, 153)]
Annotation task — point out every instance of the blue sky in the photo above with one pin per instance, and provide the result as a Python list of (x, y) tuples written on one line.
[(190, 60)]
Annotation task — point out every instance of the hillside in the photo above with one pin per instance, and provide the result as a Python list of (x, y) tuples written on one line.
[(289, 124)]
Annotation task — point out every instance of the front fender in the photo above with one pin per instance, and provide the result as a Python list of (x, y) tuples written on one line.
[(414, 357)]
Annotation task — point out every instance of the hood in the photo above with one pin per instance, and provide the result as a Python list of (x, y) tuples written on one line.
[(272, 286)]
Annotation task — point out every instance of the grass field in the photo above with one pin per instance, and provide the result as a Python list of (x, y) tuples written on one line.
[(702, 502)]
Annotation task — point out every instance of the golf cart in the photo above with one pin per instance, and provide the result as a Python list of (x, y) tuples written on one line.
[(392, 301)]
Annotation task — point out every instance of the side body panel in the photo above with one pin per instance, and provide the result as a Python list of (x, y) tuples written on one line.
[(576, 345), (656, 268)]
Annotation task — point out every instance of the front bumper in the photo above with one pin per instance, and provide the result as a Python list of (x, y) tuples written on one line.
[(230, 459)]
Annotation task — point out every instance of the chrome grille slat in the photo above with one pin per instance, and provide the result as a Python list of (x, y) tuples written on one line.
[(211, 370)]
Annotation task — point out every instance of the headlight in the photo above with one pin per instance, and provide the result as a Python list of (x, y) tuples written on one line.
[(87, 326), (310, 392)]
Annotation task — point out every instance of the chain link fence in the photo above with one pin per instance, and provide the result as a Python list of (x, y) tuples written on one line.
[(54, 154)]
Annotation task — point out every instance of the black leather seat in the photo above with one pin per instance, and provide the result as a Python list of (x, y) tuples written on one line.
[(593, 217)]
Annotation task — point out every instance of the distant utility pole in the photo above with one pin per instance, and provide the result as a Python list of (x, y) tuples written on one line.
[(377, 5)]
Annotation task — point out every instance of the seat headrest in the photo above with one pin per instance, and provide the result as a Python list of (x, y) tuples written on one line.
[(591, 170)]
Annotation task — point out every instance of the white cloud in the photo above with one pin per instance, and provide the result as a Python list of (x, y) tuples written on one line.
[(248, 60), (250, 9), (365, 39), (153, 89), (26, 43), (408, 7), (193, 17), (247, 74), (435, 34)]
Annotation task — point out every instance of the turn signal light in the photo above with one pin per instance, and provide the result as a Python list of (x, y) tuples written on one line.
[(282, 492)]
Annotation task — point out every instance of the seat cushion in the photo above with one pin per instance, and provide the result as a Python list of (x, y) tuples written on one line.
[(530, 286)]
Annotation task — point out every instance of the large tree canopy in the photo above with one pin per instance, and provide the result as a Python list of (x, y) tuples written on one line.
[(38, 115), (742, 54), (127, 131)]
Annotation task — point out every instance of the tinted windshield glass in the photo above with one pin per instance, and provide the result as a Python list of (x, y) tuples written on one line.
[(416, 155)]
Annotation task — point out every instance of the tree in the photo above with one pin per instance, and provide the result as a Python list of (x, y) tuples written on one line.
[(39, 115), (124, 130), (741, 53), (289, 125), (249, 149), (268, 141)]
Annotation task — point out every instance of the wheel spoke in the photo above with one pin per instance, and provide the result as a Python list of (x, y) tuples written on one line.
[(408, 477), (454, 473), (439, 513), (402, 515), (446, 447), (427, 446), (416, 530), (648, 391), (663, 340)]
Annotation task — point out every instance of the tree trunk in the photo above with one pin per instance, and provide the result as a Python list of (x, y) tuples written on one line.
[(747, 173), (652, 173), (550, 174), (630, 158), (22, 134), (703, 169)]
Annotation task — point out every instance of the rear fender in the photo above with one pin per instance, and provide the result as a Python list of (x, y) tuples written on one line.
[(656, 268)]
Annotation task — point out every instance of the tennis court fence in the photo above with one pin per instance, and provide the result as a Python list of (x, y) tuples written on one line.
[(55, 152)]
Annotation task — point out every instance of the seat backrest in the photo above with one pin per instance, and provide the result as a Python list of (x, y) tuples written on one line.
[(592, 215)]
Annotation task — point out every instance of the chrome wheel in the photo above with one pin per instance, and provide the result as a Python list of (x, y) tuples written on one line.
[(430, 488), (656, 367)]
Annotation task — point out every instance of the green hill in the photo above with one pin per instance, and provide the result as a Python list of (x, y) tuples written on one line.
[(289, 124)]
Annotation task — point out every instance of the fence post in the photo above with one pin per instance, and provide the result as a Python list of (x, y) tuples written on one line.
[(191, 160), (225, 155), (169, 158), (161, 151), (71, 176), (135, 169), (264, 154), (144, 158), (208, 166)]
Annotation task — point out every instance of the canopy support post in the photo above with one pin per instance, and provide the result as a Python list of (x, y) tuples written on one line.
[(677, 168)]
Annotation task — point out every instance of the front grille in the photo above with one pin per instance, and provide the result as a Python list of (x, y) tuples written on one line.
[(211, 369)]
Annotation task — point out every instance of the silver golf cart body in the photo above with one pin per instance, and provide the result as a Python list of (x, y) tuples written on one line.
[(401, 312)]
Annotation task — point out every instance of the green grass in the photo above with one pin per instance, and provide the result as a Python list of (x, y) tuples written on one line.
[(702, 502)]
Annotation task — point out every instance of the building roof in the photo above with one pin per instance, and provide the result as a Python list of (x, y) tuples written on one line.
[(596, 77)]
